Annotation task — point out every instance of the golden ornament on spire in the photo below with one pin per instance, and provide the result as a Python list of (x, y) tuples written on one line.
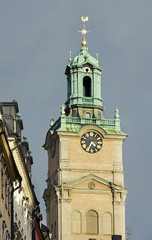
[(70, 59), (84, 31)]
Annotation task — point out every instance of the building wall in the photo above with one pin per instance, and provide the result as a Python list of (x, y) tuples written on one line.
[(5, 203), (76, 170), (8, 175), (24, 199)]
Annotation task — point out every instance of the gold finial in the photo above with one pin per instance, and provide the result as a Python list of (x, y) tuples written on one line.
[(70, 59), (84, 31), (97, 56)]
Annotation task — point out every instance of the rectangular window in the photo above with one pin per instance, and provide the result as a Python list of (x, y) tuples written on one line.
[(3, 228), (8, 199), (6, 195), (2, 184)]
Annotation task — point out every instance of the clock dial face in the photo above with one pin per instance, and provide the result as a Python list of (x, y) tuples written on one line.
[(53, 148), (91, 142)]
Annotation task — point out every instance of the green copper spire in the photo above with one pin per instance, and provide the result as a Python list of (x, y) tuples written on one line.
[(84, 102), (83, 82)]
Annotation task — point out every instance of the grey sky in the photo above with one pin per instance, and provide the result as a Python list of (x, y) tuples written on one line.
[(36, 37)]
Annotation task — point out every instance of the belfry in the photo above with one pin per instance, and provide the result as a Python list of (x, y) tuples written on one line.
[(85, 194)]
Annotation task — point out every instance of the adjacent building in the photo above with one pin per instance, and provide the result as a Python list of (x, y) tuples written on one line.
[(23, 197), (85, 194), (9, 176)]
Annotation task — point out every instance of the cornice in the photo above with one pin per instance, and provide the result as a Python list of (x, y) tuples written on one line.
[(26, 181)]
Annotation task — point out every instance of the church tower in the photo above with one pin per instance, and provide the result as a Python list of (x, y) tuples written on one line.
[(85, 194)]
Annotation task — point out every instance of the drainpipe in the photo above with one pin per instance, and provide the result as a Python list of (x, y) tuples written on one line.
[(112, 191)]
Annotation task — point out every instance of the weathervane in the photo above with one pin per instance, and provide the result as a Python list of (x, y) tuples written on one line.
[(84, 31)]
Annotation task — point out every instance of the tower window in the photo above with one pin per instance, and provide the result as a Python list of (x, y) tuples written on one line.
[(87, 69), (76, 222), (87, 86), (107, 223), (92, 222), (87, 115)]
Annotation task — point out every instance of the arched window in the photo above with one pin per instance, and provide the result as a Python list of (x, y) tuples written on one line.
[(87, 115), (87, 86), (76, 222), (69, 87), (107, 223), (92, 222)]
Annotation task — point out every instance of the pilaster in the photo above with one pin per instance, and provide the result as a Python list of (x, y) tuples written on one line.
[(119, 212)]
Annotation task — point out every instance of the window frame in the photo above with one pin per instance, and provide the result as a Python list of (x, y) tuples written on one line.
[(87, 87), (89, 220), (2, 184)]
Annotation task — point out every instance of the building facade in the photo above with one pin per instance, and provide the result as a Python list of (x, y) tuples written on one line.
[(24, 199), (8, 175), (85, 194)]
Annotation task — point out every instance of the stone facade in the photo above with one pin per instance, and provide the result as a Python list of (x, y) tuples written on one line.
[(8, 175), (79, 181), (23, 199)]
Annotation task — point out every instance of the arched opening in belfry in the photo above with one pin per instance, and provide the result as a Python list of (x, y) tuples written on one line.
[(87, 86)]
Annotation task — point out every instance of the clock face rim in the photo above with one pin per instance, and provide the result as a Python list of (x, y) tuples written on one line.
[(94, 143)]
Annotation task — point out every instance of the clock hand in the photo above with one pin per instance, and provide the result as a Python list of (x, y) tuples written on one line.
[(93, 143), (90, 145)]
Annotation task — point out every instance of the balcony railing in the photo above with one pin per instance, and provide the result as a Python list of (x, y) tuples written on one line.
[(64, 121)]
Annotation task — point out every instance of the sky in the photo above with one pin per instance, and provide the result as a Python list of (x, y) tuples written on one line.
[(36, 37)]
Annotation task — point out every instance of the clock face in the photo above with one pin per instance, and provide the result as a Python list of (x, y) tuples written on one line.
[(91, 142)]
